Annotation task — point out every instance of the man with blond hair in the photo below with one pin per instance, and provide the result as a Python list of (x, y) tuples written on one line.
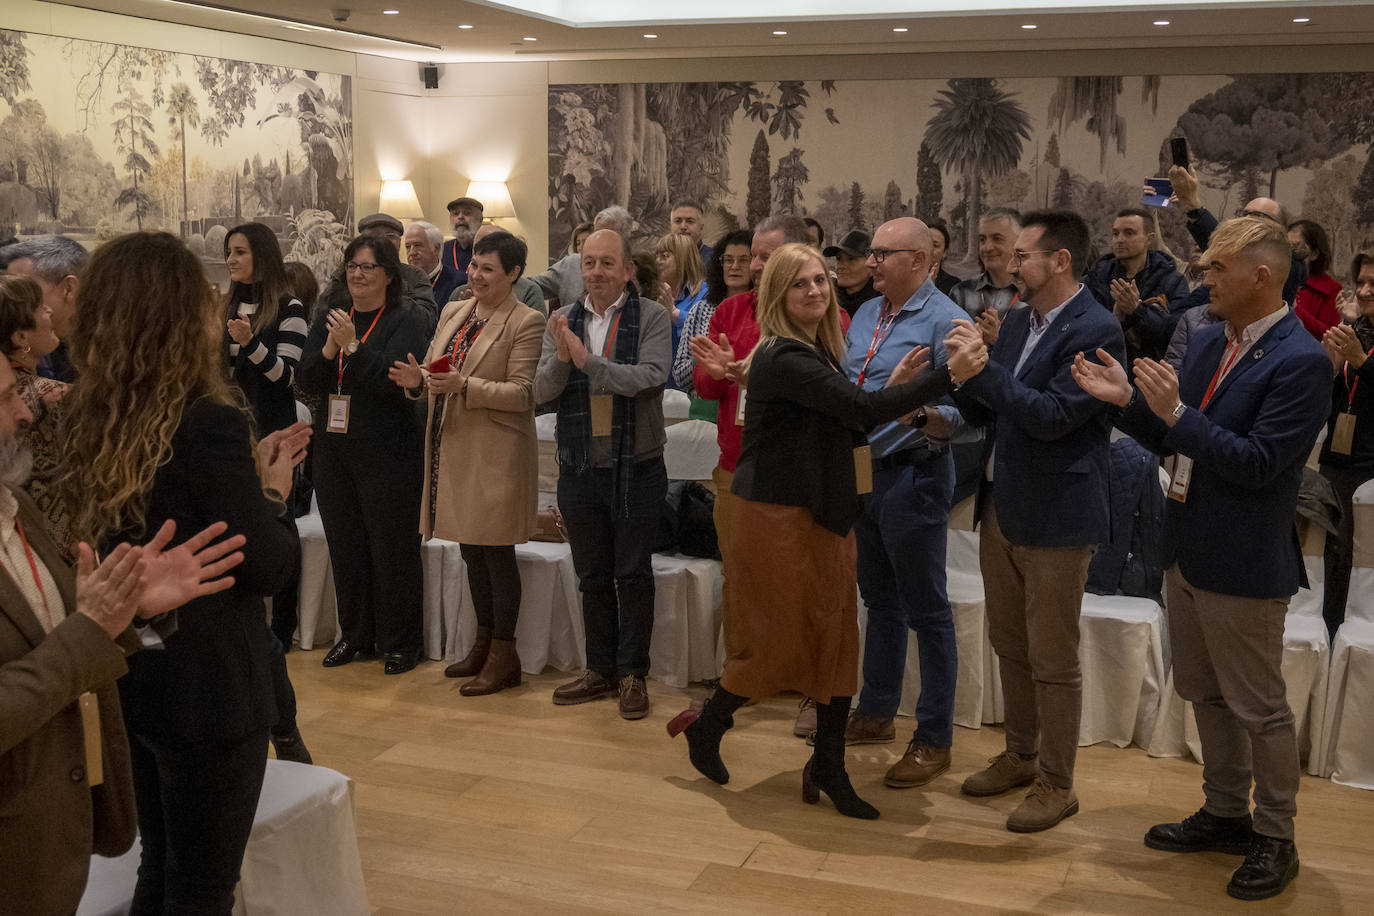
[(1241, 415)]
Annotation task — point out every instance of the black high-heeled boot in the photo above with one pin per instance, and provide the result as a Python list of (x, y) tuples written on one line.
[(704, 728), (825, 770)]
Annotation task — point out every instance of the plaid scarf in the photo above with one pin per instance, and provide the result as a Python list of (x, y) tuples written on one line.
[(575, 412)]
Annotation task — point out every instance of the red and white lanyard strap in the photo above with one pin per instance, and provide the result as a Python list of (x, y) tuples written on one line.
[(361, 340), (879, 335), (1352, 386), (37, 579), (1228, 358)]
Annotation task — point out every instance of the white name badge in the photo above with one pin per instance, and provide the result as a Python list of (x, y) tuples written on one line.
[(1183, 476), (338, 413), (739, 409), (248, 309)]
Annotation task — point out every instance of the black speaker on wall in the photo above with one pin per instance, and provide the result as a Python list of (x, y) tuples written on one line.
[(430, 73)]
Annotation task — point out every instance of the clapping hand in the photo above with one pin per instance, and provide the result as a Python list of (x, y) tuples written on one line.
[(1105, 381), (193, 569), (407, 374), (1158, 384), (278, 455), (109, 593), (916, 360), (968, 356), (1342, 345), (558, 323), (989, 324), (341, 330), (1125, 296), (240, 330), (714, 357)]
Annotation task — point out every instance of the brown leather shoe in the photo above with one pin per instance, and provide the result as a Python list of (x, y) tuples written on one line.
[(1044, 806), (634, 697), (806, 718), (590, 686), (918, 766), (1007, 771), (864, 729), (472, 663), (502, 670)]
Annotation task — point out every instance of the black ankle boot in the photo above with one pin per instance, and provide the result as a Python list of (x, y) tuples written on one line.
[(704, 729), (825, 770)]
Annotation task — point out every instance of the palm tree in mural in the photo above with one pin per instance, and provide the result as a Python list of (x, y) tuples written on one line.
[(791, 174), (182, 109), (977, 129), (133, 131), (1092, 99)]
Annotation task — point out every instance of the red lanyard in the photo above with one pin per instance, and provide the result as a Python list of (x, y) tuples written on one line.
[(983, 299), (33, 568), (610, 338), (361, 341), (458, 339), (1345, 374), (879, 335), (1222, 368)]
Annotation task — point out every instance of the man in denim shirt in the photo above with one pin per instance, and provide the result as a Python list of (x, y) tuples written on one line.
[(902, 531)]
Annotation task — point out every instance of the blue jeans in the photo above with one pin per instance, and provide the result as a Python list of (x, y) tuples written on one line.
[(901, 538)]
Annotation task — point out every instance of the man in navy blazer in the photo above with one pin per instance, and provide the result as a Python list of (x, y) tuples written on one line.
[(1241, 414), (1043, 507)]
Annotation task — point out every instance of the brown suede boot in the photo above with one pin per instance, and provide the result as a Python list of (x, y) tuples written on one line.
[(502, 670), (476, 657)]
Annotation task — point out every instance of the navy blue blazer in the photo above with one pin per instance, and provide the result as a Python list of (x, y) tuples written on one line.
[(1236, 534), (1050, 467)]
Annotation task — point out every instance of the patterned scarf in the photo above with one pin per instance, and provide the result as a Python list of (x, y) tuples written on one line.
[(1364, 331), (575, 412)]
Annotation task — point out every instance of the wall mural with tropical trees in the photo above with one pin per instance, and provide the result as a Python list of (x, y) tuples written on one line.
[(854, 153), (98, 139)]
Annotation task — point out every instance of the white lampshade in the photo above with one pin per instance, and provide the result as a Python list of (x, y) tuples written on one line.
[(399, 200), (496, 202)]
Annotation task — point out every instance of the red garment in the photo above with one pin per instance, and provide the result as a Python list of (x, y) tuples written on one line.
[(736, 319), (1316, 304)]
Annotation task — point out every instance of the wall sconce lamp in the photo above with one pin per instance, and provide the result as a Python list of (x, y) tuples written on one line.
[(399, 200), (496, 202)]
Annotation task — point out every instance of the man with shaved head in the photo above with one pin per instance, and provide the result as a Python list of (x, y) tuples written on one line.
[(1241, 415), (901, 533), (606, 357)]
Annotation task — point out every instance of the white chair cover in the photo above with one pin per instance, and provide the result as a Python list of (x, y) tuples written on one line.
[(676, 404), (302, 856), (1121, 652), (687, 619), (691, 452)]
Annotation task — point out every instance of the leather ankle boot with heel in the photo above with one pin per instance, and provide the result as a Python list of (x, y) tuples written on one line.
[(501, 670), (704, 728), (471, 664)]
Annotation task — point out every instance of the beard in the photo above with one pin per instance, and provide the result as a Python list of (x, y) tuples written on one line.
[(16, 462), (464, 236)]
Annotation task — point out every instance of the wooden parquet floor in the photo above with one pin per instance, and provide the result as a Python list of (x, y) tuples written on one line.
[(508, 804)]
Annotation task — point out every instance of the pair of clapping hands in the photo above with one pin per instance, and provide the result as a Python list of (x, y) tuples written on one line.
[(408, 374), (1106, 380), (1342, 346), (151, 580)]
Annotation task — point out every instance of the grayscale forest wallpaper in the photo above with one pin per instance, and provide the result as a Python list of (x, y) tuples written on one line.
[(854, 153), (98, 139)]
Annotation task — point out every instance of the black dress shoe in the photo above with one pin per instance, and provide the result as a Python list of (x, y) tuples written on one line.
[(290, 746), (400, 662), (1203, 832), (342, 653), (1268, 867)]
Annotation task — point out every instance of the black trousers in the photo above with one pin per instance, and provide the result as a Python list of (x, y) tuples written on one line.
[(1340, 548), (281, 686), (285, 615), (613, 558), (494, 579), (369, 498), (195, 812)]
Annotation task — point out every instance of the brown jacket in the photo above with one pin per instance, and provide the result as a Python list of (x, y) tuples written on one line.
[(488, 452), (51, 820)]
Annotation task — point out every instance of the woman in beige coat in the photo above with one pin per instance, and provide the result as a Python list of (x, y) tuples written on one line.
[(481, 452)]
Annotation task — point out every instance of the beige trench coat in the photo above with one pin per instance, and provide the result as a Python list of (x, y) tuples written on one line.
[(488, 450)]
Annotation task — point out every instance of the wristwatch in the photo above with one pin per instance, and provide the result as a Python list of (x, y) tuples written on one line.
[(352, 347), (919, 421), (1179, 410)]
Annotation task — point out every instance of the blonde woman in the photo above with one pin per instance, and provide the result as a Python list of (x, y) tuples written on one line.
[(680, 270), (154, 433), (802, 466), (481, 451)]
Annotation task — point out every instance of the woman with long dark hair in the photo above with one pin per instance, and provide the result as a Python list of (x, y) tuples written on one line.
[(727, 274), (368, 453), (146, 345), (791, 566)]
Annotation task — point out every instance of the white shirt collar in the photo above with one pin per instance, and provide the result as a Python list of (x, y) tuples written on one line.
[(1256, 329)]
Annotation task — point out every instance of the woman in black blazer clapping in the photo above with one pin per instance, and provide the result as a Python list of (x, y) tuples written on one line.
[(198, 700)]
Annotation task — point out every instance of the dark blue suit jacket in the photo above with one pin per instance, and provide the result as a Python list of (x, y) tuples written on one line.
[(1051, 461), (1236, 533)]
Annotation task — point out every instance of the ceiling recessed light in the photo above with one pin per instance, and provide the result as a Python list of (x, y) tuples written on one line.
[(528, 38), (391, 12), (650, 35), (900, 28), (1030, 25), (1302, 20), (464, 26), (779, 32), (1161, 22)]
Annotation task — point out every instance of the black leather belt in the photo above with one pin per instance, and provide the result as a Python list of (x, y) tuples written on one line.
[(908, 457)]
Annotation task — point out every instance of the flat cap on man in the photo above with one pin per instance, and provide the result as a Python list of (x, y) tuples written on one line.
[(381, 219), (465, 202)]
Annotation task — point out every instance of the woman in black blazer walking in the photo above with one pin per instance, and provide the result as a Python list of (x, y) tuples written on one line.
[(198, 700)]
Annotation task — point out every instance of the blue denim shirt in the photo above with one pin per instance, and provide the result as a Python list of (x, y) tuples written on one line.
[(924, 320)]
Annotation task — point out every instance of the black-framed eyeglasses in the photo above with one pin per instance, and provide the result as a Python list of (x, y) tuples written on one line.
[(879, 255), (731, 260), (364, 269), (1017, 256)]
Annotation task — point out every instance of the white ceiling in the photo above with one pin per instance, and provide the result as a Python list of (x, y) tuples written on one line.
[(499, 32)]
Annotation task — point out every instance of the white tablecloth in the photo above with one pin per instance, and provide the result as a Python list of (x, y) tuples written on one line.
[(687, 620), (302, 856)]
